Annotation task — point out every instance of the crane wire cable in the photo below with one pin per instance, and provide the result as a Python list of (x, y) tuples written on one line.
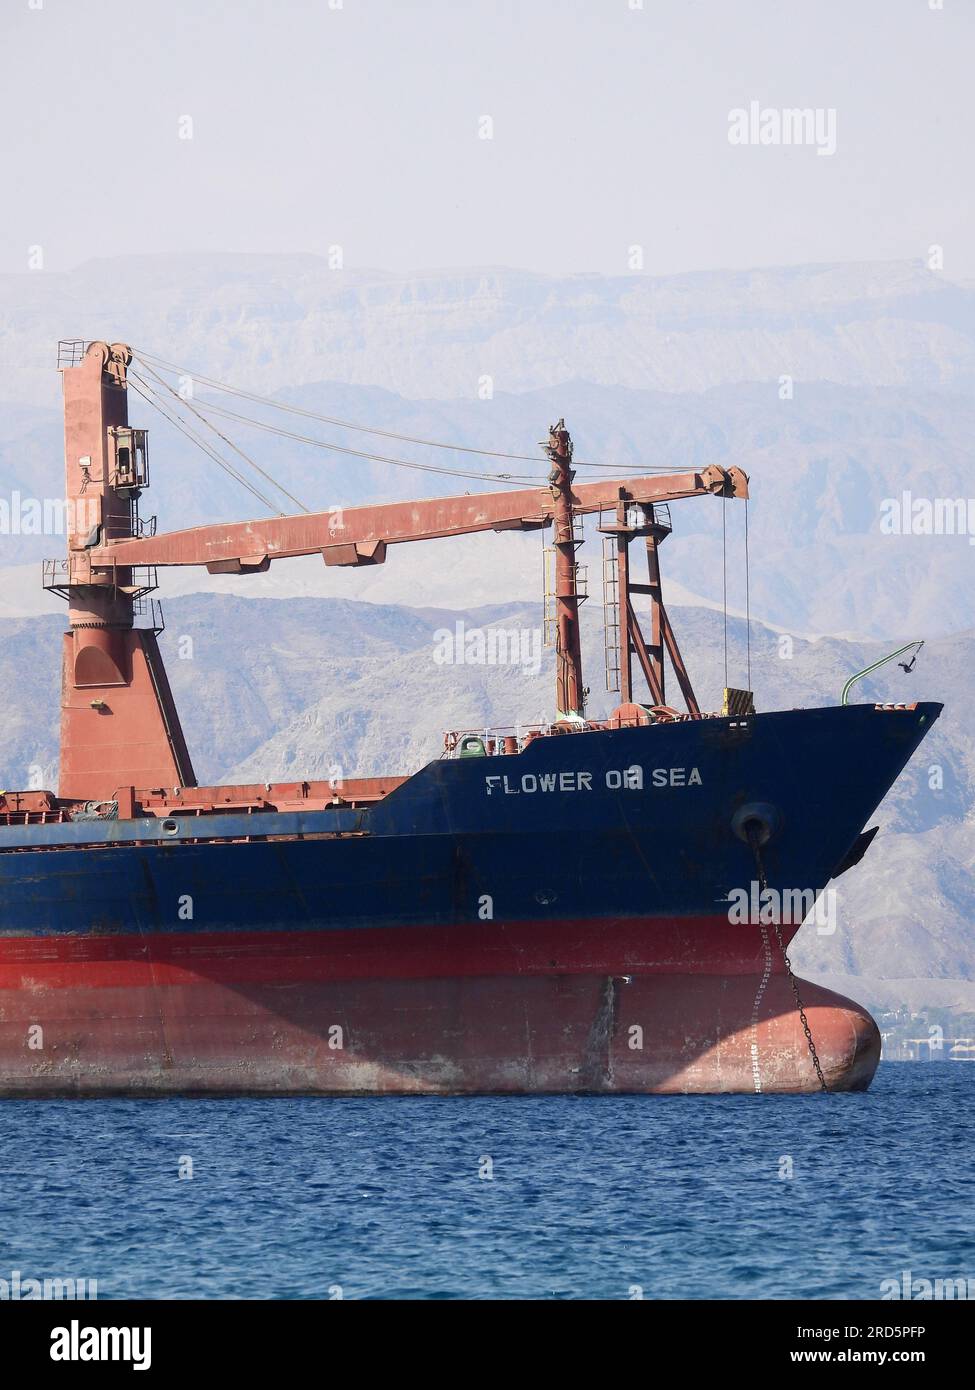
[(494, 479), (150, 396), (724, 581), (229, 442), (329, 419), (748, 605), (164, 364)]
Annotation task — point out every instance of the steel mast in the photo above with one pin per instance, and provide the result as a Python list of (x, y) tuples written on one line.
[(570, 694)]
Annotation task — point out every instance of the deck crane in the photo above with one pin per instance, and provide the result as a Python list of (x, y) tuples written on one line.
[(120, 732)]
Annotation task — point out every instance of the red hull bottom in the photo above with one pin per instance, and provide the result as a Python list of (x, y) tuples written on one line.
[(532, 1034)]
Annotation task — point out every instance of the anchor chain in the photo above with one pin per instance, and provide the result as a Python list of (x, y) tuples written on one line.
[(751, 830)]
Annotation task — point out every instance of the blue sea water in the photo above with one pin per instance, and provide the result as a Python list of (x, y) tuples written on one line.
[(588, 1197)]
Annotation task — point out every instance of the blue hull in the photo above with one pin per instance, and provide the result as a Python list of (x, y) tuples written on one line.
[(550, 833)]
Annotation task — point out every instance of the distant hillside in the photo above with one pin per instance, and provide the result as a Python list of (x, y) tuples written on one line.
[(274, 322)]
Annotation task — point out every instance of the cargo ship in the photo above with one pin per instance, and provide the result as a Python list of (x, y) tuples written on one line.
[(539, 910)]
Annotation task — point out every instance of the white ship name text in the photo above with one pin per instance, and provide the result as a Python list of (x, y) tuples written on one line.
[(616, 779)]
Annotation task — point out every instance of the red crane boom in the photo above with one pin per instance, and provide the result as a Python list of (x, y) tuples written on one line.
[(360, 535)]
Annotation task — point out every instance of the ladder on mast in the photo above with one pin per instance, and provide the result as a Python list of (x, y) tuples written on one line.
[(611, 614)]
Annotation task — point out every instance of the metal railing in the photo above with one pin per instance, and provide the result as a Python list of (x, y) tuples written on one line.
[(71, 352), (147, 614), (137, 580)]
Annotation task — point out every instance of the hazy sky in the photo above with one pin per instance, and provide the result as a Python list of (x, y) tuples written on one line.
[(359, 125)]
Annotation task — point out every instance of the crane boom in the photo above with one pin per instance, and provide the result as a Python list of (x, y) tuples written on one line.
[(359, 535)]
